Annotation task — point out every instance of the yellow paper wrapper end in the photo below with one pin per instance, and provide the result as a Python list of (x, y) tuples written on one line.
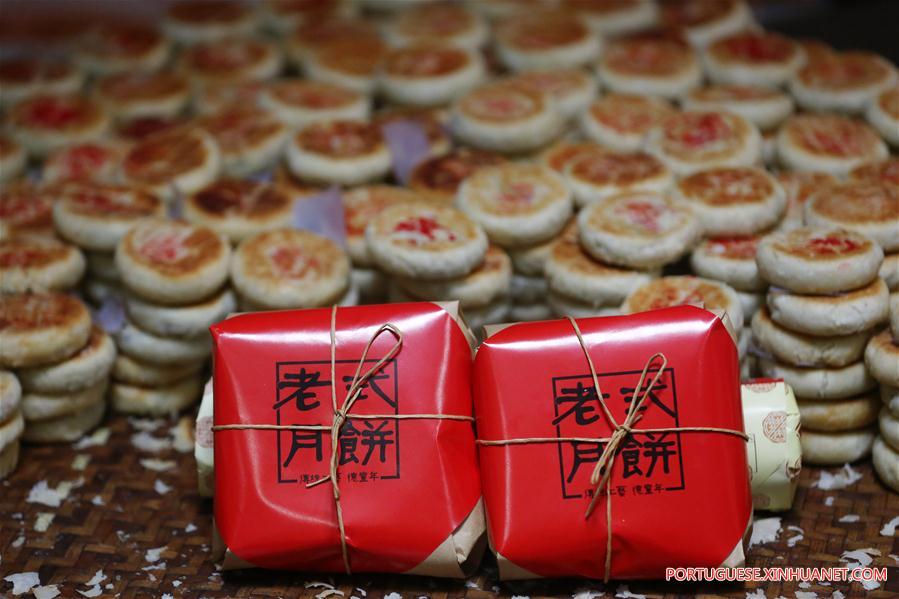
[(775, 456)]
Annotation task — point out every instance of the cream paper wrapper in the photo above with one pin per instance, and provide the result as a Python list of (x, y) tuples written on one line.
[(771, 418), (203, 452)]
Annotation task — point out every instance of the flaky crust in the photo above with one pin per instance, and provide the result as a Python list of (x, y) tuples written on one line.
[(836, 314), (38, 329), (288, 268), (834, 449), (426, 241), (819, 260), (172, 262)]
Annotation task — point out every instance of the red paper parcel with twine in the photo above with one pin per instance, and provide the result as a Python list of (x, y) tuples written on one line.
[(344, 441), (652, 476)]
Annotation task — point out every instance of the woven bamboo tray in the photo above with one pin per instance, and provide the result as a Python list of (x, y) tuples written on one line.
[(118, 513)]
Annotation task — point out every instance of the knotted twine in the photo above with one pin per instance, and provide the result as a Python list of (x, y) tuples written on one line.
[(342, 414), (601, 475)]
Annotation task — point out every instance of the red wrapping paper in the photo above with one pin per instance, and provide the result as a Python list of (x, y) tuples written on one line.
[(533, 380), (405, 485)]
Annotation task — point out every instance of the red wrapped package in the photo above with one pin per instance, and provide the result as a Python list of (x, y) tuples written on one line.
[(344, 441), (651, 477)]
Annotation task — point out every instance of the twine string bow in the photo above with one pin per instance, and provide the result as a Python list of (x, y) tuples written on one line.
[(601, 476), (342, 414)]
